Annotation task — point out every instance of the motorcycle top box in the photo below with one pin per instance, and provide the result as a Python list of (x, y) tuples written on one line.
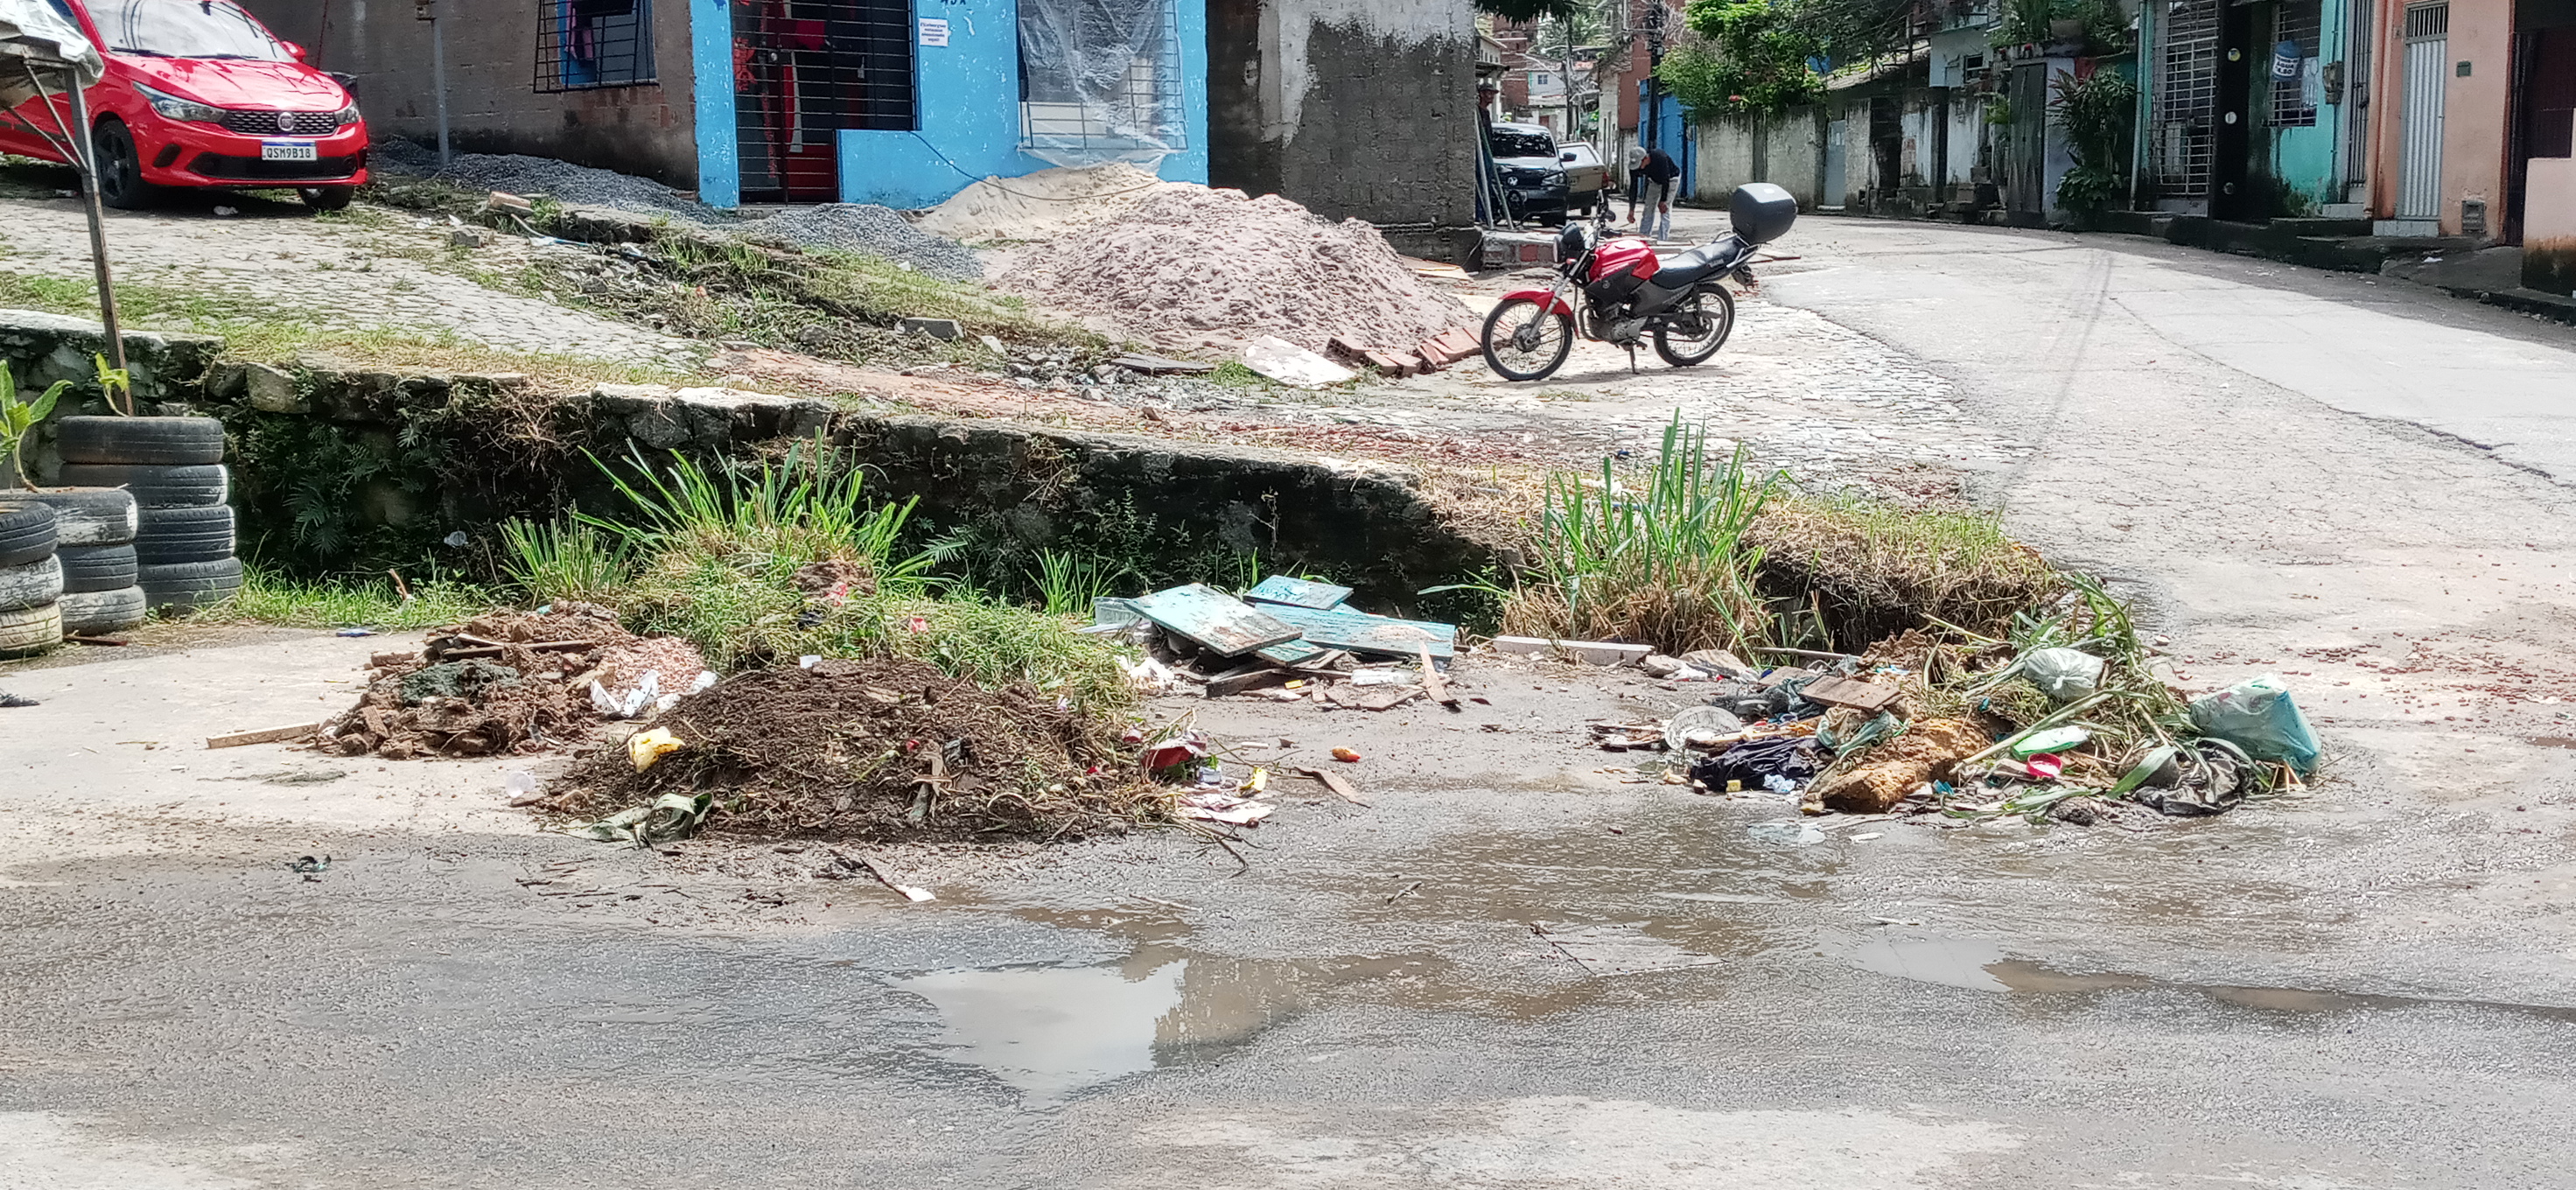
[(1761, 212)]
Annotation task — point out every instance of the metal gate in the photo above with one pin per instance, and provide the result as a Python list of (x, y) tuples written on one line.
[(2026, 141), (1836, 179), (804, 70), (2186, 103), (2428, 54)]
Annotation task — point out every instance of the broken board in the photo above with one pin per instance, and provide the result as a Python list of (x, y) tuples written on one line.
[(1849, 692), (1295, 652), (1297, 592), (1359, 632), (1214, 620), (1619, 949)]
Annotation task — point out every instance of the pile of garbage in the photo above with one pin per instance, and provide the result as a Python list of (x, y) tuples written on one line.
[(884, 748), (1188, 267), (515, 682), (1287, 640), (2071, 731)]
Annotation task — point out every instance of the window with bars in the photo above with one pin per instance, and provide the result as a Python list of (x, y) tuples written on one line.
[(2186, 102), (594, 43), (2296, 74), (1100, 81)]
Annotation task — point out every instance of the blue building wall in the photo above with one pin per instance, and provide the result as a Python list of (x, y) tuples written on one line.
[(1673, 134), (2309, 160), (968, 93)]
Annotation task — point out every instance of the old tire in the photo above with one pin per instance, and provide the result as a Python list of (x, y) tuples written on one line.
[(87, 515), (31, 585), (89, 569), (190, 486), (26, 532), (184, 535), (103, 611), (31, 630), (186, 586), (155, 441)]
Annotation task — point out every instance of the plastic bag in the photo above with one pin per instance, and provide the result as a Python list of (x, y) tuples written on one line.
[(2258, 716), (2064, 675)]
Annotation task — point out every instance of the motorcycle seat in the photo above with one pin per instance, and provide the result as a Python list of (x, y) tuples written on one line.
[(1708, 260)]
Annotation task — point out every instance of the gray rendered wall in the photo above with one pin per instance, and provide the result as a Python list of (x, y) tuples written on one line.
[(493, 105), (1788, 152), (1355, 109)]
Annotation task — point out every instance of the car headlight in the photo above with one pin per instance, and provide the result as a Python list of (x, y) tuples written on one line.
[(347, 115), (171, 107)]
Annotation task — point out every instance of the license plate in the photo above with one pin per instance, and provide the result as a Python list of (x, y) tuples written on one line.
[(287, 150)]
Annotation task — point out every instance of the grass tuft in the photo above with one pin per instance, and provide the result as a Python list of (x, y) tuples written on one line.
[(268, 597), (1860, 569)]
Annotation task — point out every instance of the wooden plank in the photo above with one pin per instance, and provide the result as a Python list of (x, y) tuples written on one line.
[(1215, 620), (1240, 679), (1295, 652), (1297, 592), (1598, 652), (262, 736), (1849, 692), (1359, 632), (1435, 684), (1157, 365)]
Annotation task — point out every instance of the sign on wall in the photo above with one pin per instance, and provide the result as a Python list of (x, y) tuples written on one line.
[(934, 31)]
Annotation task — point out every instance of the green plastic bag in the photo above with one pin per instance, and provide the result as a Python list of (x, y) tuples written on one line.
[(2258, 716)]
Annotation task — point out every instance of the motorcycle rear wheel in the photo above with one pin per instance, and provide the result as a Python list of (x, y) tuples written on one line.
[(1692, 333), (1526, 341)]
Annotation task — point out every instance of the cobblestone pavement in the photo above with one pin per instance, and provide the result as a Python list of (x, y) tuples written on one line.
[(376, 271)]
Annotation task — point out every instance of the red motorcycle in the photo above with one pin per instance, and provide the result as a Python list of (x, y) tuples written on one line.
[(1620, 293)]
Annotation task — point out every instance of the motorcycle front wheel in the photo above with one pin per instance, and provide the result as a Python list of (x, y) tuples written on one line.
[(1526, 341), (1694, 331)]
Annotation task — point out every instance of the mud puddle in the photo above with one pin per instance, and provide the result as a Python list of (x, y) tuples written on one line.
[(1987, 966)]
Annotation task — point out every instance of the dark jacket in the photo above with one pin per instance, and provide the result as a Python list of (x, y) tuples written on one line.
[(1658, 166)]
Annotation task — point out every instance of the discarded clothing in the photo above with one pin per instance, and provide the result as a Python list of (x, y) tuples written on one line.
[(1793, 759), (2212, 776), (11, 700)]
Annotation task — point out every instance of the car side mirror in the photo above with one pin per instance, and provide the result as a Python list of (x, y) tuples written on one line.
[(1567, 157), (293, 50)]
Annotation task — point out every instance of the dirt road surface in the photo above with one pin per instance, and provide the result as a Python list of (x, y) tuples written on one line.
[(2365, 986)]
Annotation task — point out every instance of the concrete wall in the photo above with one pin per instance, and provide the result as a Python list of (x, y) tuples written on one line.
[(1788, 152), (968, 93), (1356, 109), (493, 104)]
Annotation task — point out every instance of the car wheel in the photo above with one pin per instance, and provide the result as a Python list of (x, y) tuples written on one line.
[(120, 167), (327, 198)]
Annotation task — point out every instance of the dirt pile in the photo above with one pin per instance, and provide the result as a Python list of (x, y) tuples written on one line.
[(870, 230), (514, 682), (877, 749), (1187, 266), (1043, 205)]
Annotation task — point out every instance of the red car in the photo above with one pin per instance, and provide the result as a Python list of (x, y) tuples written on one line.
[(199, 93)]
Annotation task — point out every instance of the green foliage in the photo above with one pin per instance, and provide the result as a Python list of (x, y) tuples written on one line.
[(19, 418), (810, 508), (117, 384), (2097, 114), (1068, 583), (1658, 558), (2027, 22), (345, 601), (1753, 59), (565, 559)]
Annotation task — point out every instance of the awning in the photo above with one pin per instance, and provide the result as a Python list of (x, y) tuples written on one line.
[(37, 45)]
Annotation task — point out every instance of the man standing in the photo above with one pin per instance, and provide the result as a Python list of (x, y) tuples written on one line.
[(1658, 173)]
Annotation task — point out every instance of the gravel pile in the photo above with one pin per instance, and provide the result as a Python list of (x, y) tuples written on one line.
[(1191, 267), (576, 185), (875, 230)]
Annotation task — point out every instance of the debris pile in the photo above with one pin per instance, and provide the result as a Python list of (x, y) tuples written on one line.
[(877, 749), (1288, 640), (873, 230), (1044, 205), (1188, 266), (513, 682)]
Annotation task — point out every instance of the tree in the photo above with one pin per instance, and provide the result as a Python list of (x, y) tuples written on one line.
[(1751, 57)]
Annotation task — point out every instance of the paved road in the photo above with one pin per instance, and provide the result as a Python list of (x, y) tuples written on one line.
[(2366, 987)]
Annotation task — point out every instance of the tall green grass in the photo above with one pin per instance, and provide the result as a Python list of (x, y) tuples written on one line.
[(1655, 555), (566, 559), (269, 597)]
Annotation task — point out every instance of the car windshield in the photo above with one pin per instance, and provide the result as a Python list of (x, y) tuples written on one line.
[(1523, 144), (186, 29)]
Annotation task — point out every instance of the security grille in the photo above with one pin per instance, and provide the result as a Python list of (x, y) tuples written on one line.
[(803, 71), (2427, 21), (2294, 97), (2186, 103), (2419, 168), (282, 123), (593, 43), (1100, 80)]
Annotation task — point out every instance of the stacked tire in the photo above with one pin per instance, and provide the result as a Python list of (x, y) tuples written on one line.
[(31, 580), (174, 468), (94, 530)]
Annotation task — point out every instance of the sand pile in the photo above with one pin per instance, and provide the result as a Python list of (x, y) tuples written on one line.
[(1187, 266), (514, 682), (1042, 205), (877, 749)]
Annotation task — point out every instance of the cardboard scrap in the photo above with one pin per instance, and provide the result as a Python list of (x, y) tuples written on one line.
[(1850, 692)]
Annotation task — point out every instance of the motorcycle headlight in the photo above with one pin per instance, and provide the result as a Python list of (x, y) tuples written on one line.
[(171, 107), (347, 115)]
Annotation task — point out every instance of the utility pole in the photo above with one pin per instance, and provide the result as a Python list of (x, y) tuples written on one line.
[(427, 10), (1654, 80), (1573, 130)]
